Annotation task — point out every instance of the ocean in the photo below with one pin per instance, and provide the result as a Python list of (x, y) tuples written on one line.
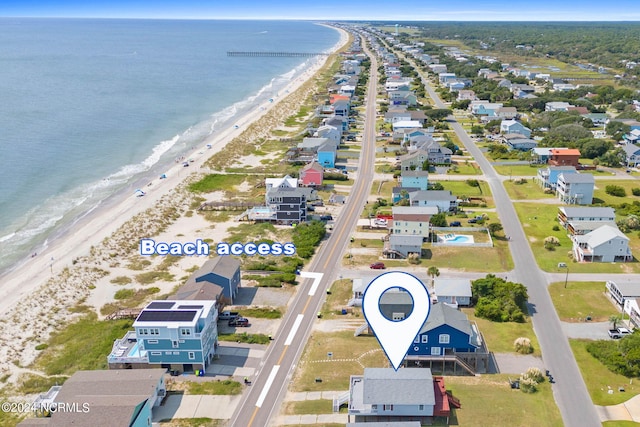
[(91, 106)]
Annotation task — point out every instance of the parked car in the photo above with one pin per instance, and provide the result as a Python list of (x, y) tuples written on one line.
[(619, 333), (240, 322), (472, 221), (454, 224), (377, 266), (326, 218), (228, 315)]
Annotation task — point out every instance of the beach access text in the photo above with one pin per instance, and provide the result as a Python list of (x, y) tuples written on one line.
[(200, 247)]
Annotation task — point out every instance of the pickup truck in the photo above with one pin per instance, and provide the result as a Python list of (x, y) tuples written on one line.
[(228, 315), (618, 333)]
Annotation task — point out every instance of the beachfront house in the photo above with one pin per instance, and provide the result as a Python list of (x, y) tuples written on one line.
[(604, 244), (327, 155), (632, 155), (393, 397), (103, 398), (575, 188), (180, 335), (311, 175), (222, 271)]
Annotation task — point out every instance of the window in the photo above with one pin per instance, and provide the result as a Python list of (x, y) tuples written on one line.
[(192, 355), (374, 407), (175, 344), (435, 351), (443, 339), (416, 340), (421, 407), (387, 407), (156, 353), (154, 331), (143, 331), (176, 353), (152, 341), (425, 339), (185, 331)]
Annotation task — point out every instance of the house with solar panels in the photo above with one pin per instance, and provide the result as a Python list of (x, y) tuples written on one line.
[(180, 335)]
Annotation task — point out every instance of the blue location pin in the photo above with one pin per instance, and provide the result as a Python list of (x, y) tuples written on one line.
[(396, 336)]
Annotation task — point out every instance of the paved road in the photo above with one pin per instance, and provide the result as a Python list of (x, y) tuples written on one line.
[(570, 391), (266, 393)]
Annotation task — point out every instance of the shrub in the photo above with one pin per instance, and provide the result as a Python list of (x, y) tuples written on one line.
[(307, 236), (551, 242), (615, 190), (473, 183), (527, 385), (124, 294), (556, 228), (523, 345), (413, 258), (534, 374), (121, 280), (635, 191)]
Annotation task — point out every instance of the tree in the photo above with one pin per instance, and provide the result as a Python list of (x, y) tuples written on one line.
[(615, 319), (617, 129), (594, 148), (494, 227), (433, 272), (438, 113), (477, 130), (615, 190), (613, 158), (438, 220)]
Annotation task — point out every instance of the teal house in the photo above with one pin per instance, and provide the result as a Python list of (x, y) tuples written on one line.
[(327, 155)]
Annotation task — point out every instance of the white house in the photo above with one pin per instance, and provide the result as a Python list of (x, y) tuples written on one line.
[(455, 292), (514, 126), (443, 200), (604, 244)]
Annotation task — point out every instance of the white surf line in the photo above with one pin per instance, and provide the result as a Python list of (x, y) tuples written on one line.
[(267, 386), (294, 329), (316, 281)]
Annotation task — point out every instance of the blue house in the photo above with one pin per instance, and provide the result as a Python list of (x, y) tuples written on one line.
[(548, 177), (223, 271), (179, 335), (415, 179), (447, 331), (327, 155)]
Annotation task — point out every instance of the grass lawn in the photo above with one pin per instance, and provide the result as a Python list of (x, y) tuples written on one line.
[(337, 300), (83, 344), (598, 378), (499, 336), (620, 424), (225, 387), (488, 401), (538, 220), (261, 312), (527, 191), (383, 190), (518, 170), (349, 353), (216, 182), (320, 406), (192, 422), (609, 200), (464, 168), (581, 299), (461, 188), (487, 260)]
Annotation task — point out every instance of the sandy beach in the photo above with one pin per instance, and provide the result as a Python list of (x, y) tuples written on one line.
[(77, 267)]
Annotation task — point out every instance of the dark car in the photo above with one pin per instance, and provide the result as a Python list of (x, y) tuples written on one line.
[(455, 224), (239, 322), (472, 221), (377, 266), (326, 218)]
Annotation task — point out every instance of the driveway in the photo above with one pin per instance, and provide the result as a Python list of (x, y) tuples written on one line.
[(586, 330), (196, 406)]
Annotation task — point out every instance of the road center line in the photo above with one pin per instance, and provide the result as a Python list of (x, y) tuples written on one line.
[(267, 386), (294, 329)]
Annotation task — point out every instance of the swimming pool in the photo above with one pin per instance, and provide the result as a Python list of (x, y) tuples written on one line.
[(456, 239), (135, 350)]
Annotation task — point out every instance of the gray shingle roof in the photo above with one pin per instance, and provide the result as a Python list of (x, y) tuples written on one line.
[(452, 287), (442, 314), (402, 387), (224, 266), (578, 178), (588, 212)]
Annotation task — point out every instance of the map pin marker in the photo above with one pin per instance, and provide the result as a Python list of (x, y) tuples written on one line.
[(396, 336)]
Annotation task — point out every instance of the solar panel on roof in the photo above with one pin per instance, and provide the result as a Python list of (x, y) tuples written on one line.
[(160, 305), (192, 307), (166, 316)]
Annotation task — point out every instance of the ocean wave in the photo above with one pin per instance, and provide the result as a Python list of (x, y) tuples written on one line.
[(132, 169), (7, 237)]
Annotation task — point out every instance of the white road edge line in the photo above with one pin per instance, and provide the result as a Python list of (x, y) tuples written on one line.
[(316, 281), (294, 329), (267, 386)]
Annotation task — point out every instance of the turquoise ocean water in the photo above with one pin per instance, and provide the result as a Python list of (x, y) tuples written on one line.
[(89, 107)]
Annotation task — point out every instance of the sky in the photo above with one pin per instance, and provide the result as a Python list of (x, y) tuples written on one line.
[(366, 10)]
